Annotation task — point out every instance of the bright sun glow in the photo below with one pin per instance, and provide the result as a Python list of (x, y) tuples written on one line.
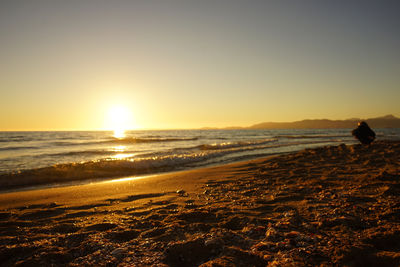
[(119, 120)]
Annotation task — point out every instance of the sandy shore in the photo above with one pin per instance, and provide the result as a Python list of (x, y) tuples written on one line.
[(327, 206)]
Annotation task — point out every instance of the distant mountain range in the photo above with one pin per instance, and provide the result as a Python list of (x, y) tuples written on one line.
[(388, 121)]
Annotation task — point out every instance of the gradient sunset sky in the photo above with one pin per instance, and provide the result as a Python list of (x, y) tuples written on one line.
[(187, 64)]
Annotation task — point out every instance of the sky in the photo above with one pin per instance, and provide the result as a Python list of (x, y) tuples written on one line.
[(68, 65)]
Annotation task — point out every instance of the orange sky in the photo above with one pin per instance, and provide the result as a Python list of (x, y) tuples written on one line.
[(65, 65)]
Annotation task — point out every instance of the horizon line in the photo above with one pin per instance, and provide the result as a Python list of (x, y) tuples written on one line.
[(181, 129)]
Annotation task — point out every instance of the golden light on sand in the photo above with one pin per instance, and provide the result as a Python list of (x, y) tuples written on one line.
[(119, 119)]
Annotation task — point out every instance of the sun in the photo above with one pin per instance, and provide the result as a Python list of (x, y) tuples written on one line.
[(119, 119)]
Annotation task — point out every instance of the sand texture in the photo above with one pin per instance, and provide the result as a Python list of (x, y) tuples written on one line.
[(331, 206)]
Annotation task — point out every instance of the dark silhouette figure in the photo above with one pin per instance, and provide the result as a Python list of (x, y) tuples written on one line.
[(363, 133)]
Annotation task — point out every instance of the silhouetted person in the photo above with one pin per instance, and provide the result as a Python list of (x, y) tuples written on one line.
[(363, 133)]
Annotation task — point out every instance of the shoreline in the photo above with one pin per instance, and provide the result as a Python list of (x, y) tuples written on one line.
[(170, 181), (75, 183), (40, 178), (334, 205)]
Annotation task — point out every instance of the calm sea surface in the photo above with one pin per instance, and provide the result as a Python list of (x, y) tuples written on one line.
[(148, 152)]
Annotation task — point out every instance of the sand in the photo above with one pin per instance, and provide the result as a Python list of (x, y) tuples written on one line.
[(331, 206)]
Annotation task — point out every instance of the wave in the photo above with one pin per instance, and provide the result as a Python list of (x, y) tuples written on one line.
[(133, 140), (5, 139), (85, 153), (126, 141), (13, 148), (310, 136), (104, 168), (109, 153), (227, 145), (145, 164)]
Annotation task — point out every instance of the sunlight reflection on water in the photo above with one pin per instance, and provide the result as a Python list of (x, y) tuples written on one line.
[(119, 148), (122, 156), (119, 133)]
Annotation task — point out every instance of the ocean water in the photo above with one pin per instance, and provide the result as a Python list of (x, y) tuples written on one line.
[(58, 157)]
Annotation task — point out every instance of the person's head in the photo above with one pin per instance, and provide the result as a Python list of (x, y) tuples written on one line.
[(362, 124)]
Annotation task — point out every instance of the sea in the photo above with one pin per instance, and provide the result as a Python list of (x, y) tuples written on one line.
[(58, 158)]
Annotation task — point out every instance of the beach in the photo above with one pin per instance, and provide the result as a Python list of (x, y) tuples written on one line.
[(327, 206)]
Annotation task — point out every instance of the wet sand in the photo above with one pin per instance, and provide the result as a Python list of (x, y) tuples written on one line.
[(328, 206)]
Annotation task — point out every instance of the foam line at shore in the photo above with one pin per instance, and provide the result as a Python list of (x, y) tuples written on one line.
[(145, 164)]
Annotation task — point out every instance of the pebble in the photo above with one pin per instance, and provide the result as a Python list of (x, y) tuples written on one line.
[(213, 242), (271, 233), (292, 234), (118, 251)]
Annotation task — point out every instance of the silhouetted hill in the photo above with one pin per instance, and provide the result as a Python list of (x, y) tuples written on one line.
[(388, 121)]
